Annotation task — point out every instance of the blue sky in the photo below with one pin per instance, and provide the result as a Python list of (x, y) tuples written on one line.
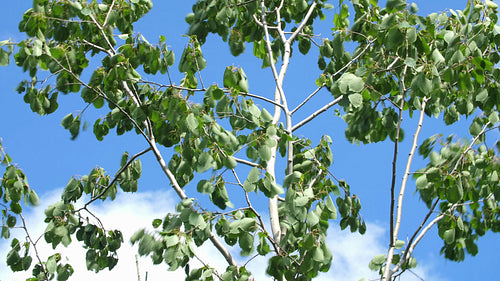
[(43, 149)]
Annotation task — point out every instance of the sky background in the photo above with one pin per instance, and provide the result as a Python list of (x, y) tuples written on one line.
[(43, 149)]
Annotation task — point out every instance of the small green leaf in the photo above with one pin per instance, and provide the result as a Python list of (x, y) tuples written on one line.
[(399, 244), (396, 4), (356, 99), (475, 128), (205, 186), (449, 236), (493, 117), (318, 255), (192, 123), (292, 178), (230, 162), (4, 58), (253, 175), (437, 56), (377, 262), (265, 153), (157, 222)]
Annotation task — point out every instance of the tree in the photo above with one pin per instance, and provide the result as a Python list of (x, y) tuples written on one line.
[(401, 63)]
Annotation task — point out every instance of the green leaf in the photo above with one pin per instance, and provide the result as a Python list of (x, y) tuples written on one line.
[(377, 262), (264, 153), (4, 58), (192, 123), (482, 96), (51, 264), (449, 236), (331, 207), (253, 175), (230, 162), (349, 81), (437, 56), (356, 99), (399, 244), (205, 186), (205, 162), (396, 4), (312, 219), (292, 178), (422, 83), (476, 127), (455, 192), (318, 255)]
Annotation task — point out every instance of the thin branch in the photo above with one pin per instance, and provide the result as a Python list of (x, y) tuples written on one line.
[(108, 13), (264, 99), (318, 112), (303, 23), (420, 236), (101, 94), (95, 46), (390, 254), (469, 147), (394, 162), (407, 252), (246, 162), (111, 50), (37, 254), (276, 246), (307, 99), (207, 266), (117, 176), (353, 59)]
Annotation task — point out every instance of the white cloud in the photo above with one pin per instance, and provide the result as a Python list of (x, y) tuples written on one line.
[(129, 212)]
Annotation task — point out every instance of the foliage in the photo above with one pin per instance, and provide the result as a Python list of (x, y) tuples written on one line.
[(440, 65)]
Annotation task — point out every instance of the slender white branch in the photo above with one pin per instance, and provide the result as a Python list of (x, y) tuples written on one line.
[(273, 202), (316, 113), (246, 162), (303, 23), (354, 59), (417, 240), (390, 254), (307, 99), (470, 147)]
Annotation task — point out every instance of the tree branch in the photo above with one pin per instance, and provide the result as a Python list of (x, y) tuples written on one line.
[(307, 99), (246, 162), (315, 114), (117, 175), (302, 24), (394, 161), (469, 147), (387, 271)]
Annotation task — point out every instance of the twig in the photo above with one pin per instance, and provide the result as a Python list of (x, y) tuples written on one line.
[(117, 176), (37, 254), (307, 99), (303, 23), (246, 162), (316, 113), (469, 147)]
